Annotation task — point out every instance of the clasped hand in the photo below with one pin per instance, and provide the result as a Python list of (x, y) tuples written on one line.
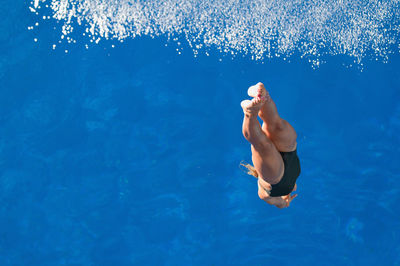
[(280, 202)]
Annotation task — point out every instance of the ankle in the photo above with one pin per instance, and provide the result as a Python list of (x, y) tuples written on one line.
[(269, 117), (275, 124), (250, 114)]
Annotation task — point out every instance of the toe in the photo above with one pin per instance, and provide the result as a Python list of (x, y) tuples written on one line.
[(256, 100), (253, 91), (245, 104), (260, 84), (256, 90)]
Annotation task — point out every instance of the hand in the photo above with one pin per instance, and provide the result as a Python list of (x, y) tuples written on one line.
[(288, 198), (280, 202)]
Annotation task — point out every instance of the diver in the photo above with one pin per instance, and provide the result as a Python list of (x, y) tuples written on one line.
[(273, 147)]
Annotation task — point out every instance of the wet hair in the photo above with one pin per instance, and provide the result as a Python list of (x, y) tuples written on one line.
[(250, 169)]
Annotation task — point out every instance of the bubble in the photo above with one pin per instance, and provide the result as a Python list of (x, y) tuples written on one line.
[(310, 29)]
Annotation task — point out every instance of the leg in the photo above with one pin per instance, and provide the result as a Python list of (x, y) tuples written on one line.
[(266, 159), (279, 131)]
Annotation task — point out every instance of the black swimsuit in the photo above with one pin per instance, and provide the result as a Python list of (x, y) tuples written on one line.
[(290, 175)]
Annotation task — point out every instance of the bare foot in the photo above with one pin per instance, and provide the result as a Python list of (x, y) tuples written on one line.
[(258, 90), (252, 107)]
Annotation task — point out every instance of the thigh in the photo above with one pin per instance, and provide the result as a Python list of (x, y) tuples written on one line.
[(282, 135), (268, 162)]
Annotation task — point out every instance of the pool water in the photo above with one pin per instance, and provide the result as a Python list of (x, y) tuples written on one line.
[(128, 154)]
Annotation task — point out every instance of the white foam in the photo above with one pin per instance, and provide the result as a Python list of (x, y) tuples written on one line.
[(260, 28)]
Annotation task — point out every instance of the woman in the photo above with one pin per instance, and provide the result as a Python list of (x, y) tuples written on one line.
[(273, 147)]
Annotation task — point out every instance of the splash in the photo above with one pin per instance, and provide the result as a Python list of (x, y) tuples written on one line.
[(262, 29)]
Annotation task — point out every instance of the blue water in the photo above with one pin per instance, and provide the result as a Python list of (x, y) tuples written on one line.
[(130, 155)]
